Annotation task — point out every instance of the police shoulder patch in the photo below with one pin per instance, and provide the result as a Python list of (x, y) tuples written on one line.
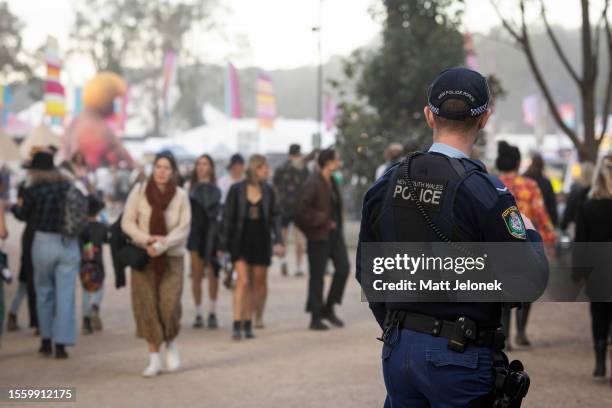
[(514, 222)]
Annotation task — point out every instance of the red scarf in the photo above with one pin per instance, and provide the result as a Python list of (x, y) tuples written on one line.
[(159, 202)]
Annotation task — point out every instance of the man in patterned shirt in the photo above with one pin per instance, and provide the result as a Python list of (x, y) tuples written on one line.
[(531, 203), (288, 181)]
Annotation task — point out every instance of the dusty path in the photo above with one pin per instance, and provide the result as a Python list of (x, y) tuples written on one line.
[(286, 365)]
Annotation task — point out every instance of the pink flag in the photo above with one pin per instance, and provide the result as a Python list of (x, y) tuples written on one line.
[(330, 114), (530, 109), (232, 93)]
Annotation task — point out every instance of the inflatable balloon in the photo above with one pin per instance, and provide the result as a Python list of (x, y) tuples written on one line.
[(90, 134), (100, 92)]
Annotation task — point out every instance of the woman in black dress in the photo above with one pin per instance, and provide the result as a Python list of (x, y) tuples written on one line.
[(251, 232), (593, 225), (205, 198)]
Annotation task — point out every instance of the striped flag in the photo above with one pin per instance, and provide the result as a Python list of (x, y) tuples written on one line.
[(266, 102), (5, 102), (232, 93), (54, 91), (170, 68)]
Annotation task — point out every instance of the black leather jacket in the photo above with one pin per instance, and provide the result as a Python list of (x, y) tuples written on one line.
[(205, 201), (235, 211)]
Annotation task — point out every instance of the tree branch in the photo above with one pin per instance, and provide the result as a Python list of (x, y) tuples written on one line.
[(537, 73), (606, 107), (557, 46), (506, 23)]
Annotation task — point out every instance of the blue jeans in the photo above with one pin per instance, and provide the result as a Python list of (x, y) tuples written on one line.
[(421, 372), (56, 263), (22, 291), (89, 299)]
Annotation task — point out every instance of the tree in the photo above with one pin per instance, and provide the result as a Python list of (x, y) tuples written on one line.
[(11, 51), (586, 81), (130, 37), (420, 38)]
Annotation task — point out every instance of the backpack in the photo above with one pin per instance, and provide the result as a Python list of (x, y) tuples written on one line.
[(75, 212)]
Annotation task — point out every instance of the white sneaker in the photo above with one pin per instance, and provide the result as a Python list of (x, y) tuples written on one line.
[(173, 360), (154, 367)]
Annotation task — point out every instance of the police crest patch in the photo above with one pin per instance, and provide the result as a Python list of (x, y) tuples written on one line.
[(514, 222)]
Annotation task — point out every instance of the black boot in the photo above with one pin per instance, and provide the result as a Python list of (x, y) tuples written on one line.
[(506, 317), (212, 321), (11, 324), (236, 334), (86, 329), (331, 317), (248, 330), (601, 348), (317, 325), (522, 316), (45, 347), (60, 352)]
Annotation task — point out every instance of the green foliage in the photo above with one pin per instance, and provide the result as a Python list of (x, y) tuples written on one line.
[(11, 51), (126, 36), (420, 39)]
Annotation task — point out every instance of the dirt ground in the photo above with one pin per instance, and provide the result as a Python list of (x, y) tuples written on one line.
[(286, 365)]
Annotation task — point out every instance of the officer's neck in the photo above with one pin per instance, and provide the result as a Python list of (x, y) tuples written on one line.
[(462, 143)]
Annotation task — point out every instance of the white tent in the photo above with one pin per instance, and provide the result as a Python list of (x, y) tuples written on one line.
[(221, 135), (40, 136), (8, 148)]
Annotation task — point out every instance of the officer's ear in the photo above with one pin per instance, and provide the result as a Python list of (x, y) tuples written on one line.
[(484, 118), (429, 116)]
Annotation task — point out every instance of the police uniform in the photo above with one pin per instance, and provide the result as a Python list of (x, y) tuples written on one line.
[(465, 204)]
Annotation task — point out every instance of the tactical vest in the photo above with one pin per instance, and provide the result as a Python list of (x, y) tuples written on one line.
[(436, 179)]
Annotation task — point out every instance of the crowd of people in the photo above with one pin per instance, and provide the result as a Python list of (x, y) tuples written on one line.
[(228, 229)]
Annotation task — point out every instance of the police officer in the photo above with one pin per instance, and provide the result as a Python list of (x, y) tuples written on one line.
[(420, 366)]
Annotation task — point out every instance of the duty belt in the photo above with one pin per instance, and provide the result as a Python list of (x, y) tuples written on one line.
[(459, 333)]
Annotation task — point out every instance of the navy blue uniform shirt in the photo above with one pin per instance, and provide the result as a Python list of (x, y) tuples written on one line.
[(479, 203)]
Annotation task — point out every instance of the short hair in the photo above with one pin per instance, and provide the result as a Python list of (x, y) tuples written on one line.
[(458, 125), (325, 156)]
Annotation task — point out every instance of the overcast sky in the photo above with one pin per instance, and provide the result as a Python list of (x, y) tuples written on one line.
[(278, 32)]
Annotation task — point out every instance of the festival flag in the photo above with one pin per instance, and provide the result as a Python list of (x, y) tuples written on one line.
[(470, 54), (5, 102), (54, 91), (117, 120), (78, 101), (266, 102), (232, 93), (530, 110), (568, 114), (170, 68), (330, 114)]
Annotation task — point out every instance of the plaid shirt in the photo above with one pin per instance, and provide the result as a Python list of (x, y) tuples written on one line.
[(288, 182), (43, 206)]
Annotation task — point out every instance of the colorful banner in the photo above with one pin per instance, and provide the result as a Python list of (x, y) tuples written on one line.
[(6, 97), (78, 101), (470, 54), (54, 91), (232, 93), (530, 110), (266, 102), (117, 120), (170, 68), (330, 114)]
